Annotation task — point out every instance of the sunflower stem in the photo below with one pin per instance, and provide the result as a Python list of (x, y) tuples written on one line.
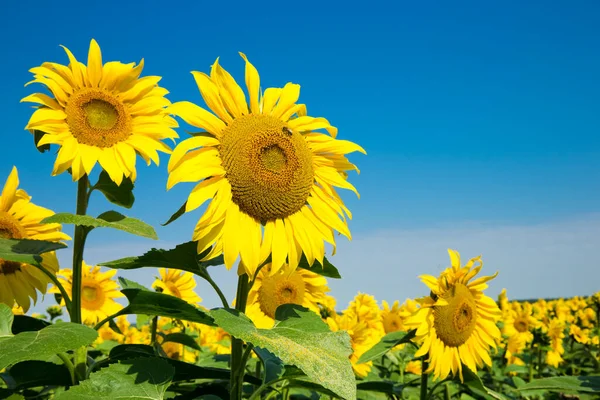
[(531, 362), (214, 285), (238, 363), (78, 245), (60, 287), (67, 363), (424, 377), (153, 332)]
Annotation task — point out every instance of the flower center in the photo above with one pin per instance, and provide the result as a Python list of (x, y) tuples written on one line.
[(521, 325), (268, 166), (173, 289), (97, 118), (392, 323), (278, 290), (455, 322), (92, 295), (10, 228)]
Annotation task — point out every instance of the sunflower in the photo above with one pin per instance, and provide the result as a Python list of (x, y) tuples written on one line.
[(414, 367), (270, 175), (216, 339), (555, 331), (20, 219), (456, 323), (285, 286), (98, 292), (100, 113), (519, 322), (393, 317), (177, 283)]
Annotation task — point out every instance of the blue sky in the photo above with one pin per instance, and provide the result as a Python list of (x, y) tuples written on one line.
[(481, 121)]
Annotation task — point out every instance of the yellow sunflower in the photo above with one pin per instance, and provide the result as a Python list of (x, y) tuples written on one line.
[(216, 339), (456, 323), (414, 367), (100, 113), (177, 283), (393, 317), (285, 286), (519, 322), (20, 219), (98, 292), (556, 333), (270, 176)]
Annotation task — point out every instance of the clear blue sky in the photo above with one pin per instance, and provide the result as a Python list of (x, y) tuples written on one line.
[(472, 113)]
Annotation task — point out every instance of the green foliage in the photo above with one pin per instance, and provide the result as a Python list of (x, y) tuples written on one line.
[(302, 339), (24, 323), (108, 219), (326, 269), (176, 215), (6, 320), (182, 338), (121, 195), (386, 343), (585, 384), (26, 250), (45, 343), (473, 381), (143, 301), (28, 374), (136, 379)]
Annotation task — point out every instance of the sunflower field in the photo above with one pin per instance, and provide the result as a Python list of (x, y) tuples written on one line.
[(265, 195)]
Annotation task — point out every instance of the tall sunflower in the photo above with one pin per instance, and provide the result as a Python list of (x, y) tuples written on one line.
[(20, 219), (98, 291), (456, 323), (270, 175), (177, 283), (285, 286), (100, 113)]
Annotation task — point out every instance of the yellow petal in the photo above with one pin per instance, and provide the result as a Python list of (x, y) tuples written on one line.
[(231, 93), (253, 85), (10, 190), (74, 65), (197, 116), (109, 163), (183, 147), (289, 97), (269, 99), (230, 235), (43, 99), (203, 191), (94, 67), (210, 93)]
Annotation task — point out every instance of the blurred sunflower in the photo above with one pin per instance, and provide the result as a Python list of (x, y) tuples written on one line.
[(393, 317), (100, 114), (556, 333), (20, 219), (519, 322), (216, 339), (414, 367), (17, 310), (98, 292), (177, 283), (285, 286), (269, 176), (456, 323)]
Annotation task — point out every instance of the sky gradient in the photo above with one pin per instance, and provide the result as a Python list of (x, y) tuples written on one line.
[(481, 123)]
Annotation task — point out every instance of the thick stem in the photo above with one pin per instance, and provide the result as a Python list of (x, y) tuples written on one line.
[(67, 363), (238, 364), (78, 244), (531, 362), (153, 331), (424, 377), (214, 285), (539, 371)]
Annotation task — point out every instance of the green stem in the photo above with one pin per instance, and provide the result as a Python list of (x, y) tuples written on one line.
[(238, 363), (424, 377), (105, 320), (78, 245), (67, 363), (531, 362), (153, 331), (447, 395), (212, 283), (60, 287), (539, 372)]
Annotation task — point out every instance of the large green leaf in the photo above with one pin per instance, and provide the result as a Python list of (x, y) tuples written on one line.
[(302, 339), (326, 269), (182, 338), (587, 384), (24, 323), (136, 379), (473, 381), (109, 219), (45, 343), (6, 320), (143, 301), (386, 343), (121, 195), (26, 250), (184, 257), (29, 374), (386, 387), (176, 215)]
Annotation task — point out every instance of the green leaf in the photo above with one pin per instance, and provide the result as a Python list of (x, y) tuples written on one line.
[(177, 214), (136, 379), (24, 323), (274, 367), (160, 304), (585, 384), (45, 343), (109, 219), (381, 387), (302, 339), (129, 284), (184, 257), (6, 320), (37, 136), (121, 195), (386, 343), (327, 269), (29, 374), (182, 338), (26, 250), (473, 381)]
